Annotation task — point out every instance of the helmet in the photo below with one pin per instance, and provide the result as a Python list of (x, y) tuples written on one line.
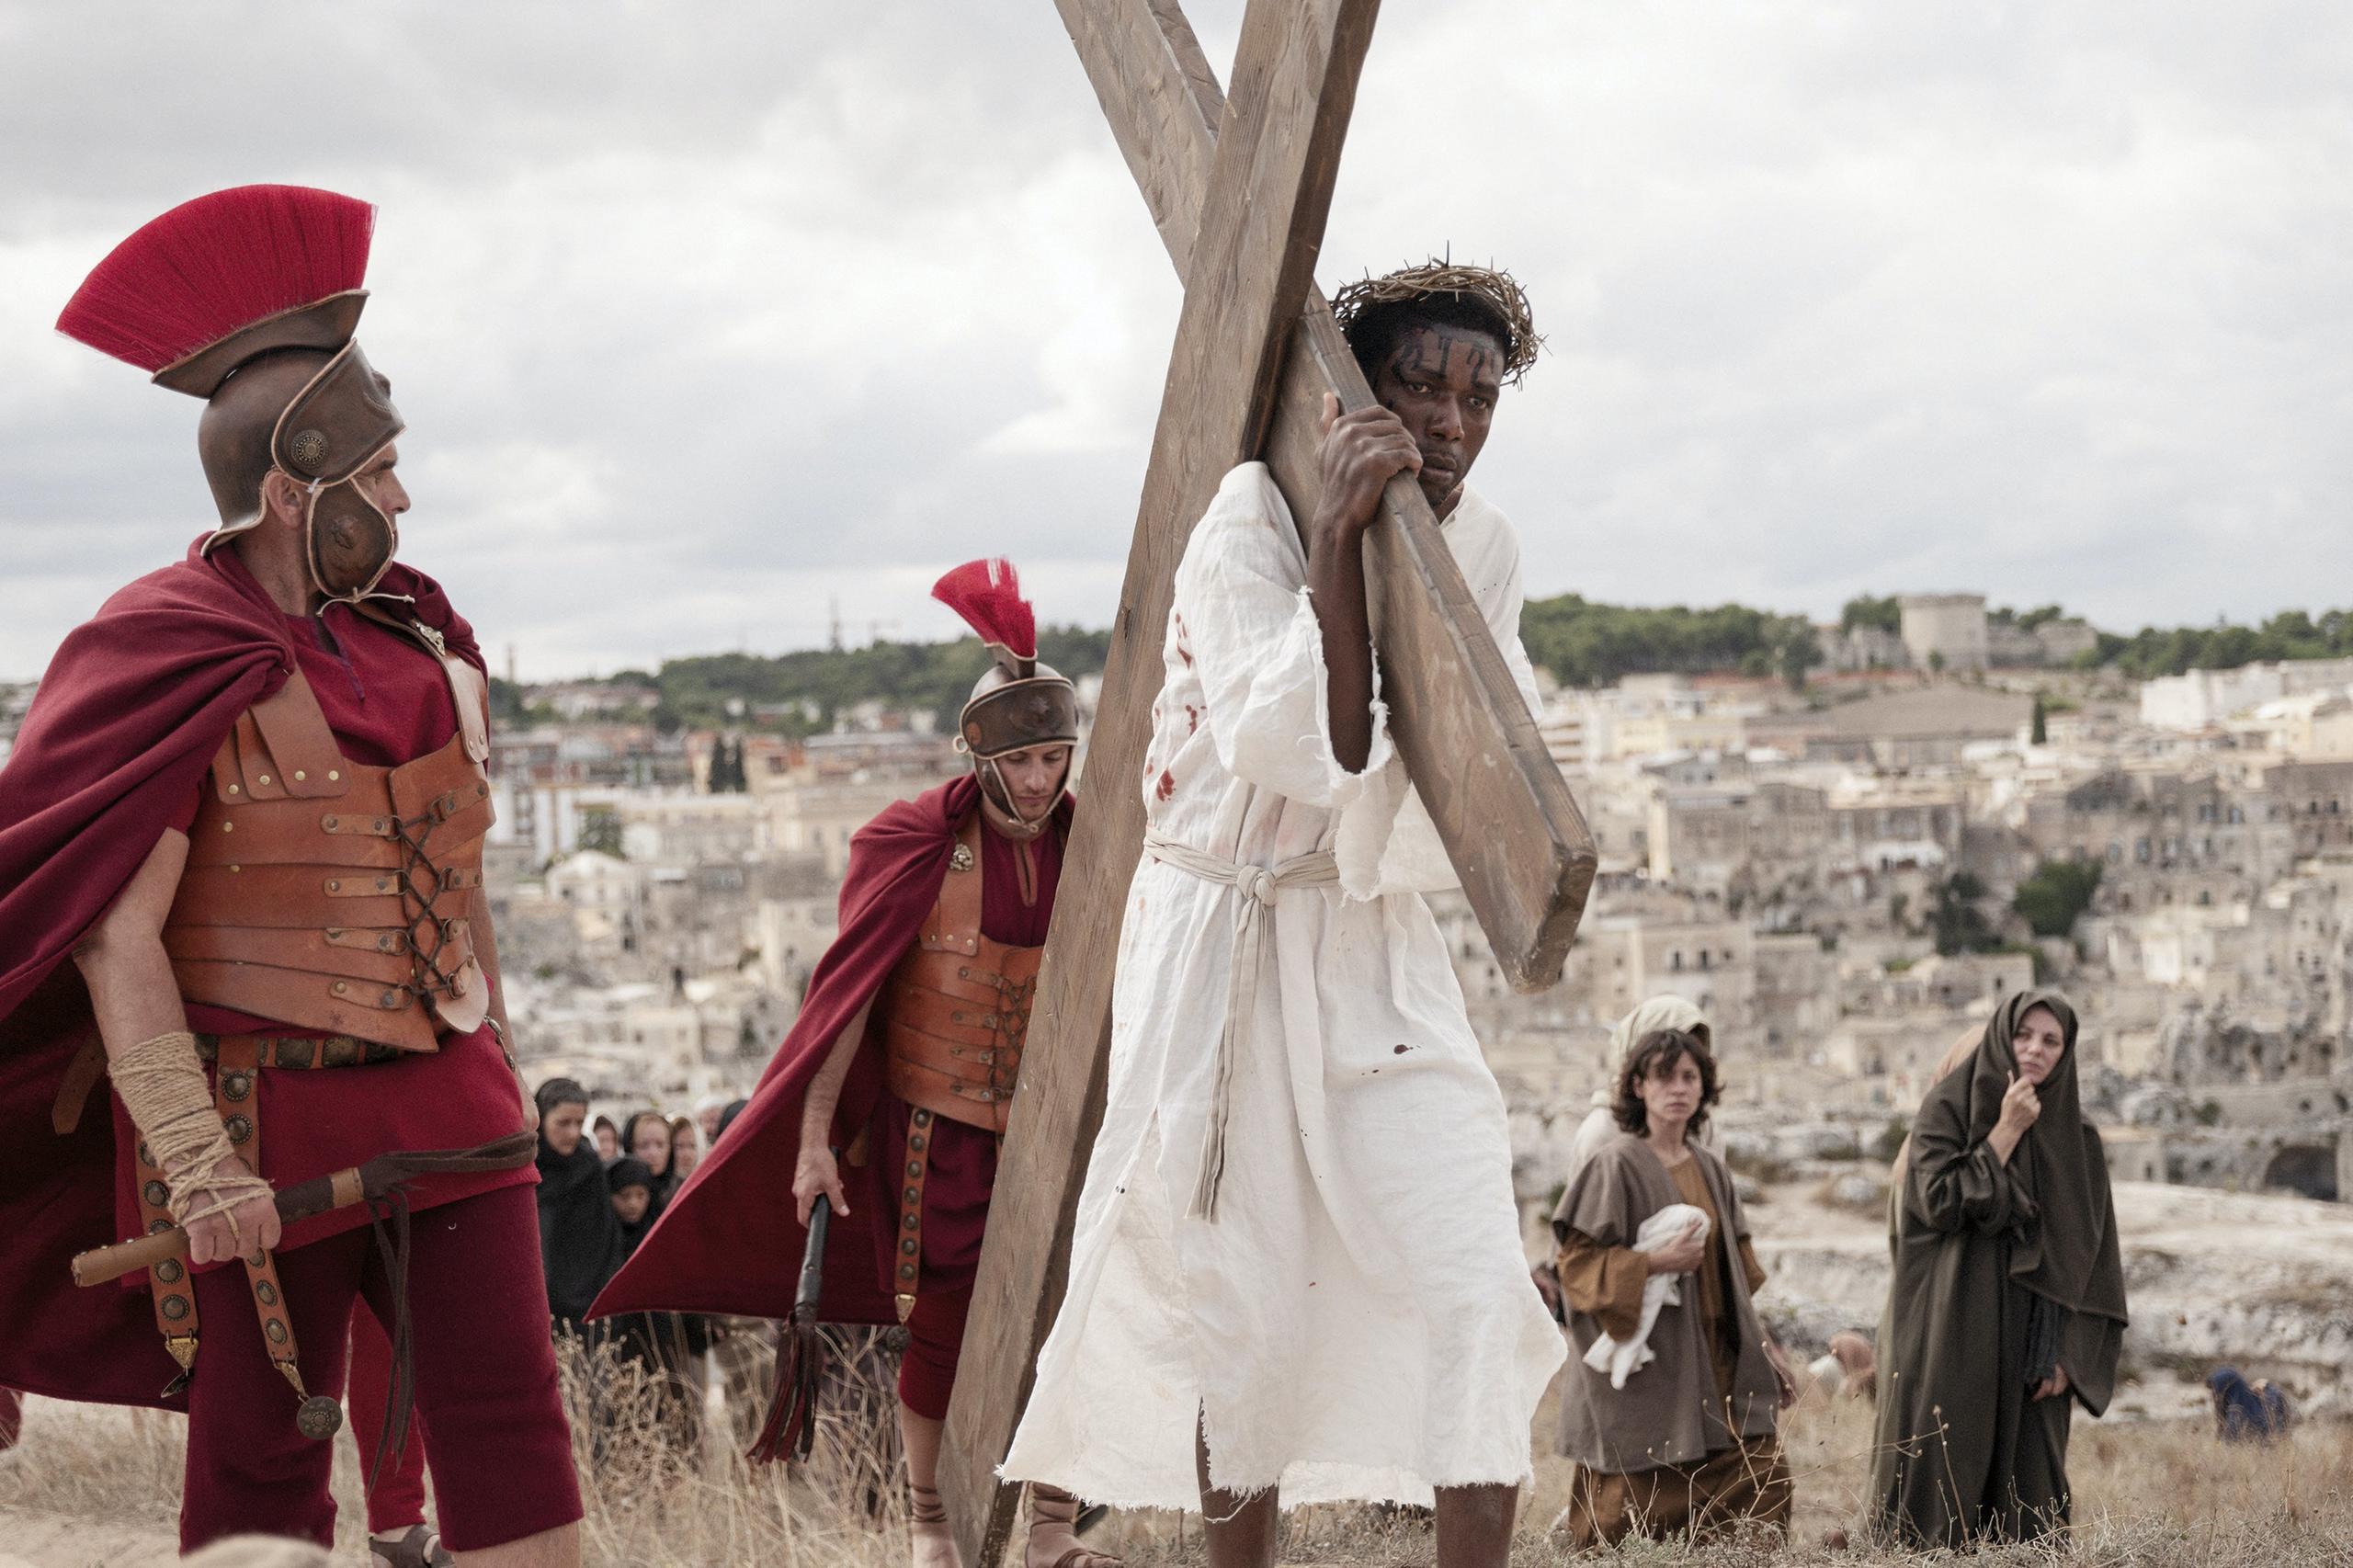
[(247, 297), (1018, 702)]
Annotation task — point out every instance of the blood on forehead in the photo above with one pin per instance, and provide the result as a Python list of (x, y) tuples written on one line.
[(1435, 351)]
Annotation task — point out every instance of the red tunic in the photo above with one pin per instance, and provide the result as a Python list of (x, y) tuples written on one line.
[(388, 702)]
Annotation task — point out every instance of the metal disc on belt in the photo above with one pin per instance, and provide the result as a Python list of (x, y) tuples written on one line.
[(319, 1418)]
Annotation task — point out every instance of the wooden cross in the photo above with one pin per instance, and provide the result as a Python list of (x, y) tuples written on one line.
[(1240, 188)]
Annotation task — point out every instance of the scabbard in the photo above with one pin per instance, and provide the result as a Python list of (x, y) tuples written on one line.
[(812, 1264), (320, 1195)]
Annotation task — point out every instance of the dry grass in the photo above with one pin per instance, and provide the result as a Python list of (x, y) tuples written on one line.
[(2162, 1494)]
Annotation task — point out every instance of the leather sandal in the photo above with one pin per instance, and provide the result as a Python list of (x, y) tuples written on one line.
[(419, 1546), (1052, 1505)]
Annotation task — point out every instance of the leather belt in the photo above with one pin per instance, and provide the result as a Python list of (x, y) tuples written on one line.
[(277, 1050)]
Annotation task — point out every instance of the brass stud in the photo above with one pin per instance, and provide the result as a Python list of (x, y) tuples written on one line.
[(156, 1194), (912, 1220), (234, 869), (916, 1142), (236, 789), (301, 776), (263, 780), (170, 1270), (915, 1195), (910, 1246), (334, 775), (265, 1290), (915, 1167), (228, 827), (340, 988), (334, 887), (906, 1271), (175, 1307), (155, 1227), (328, 822), (392, 999), (276, 1329)]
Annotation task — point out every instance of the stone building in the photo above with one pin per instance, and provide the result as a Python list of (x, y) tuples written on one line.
[(1945, 631)]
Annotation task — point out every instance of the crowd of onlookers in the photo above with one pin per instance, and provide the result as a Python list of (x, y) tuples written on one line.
[(602, 1186)]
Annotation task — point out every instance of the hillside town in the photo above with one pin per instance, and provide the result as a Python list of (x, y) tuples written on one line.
[(1845, 876)]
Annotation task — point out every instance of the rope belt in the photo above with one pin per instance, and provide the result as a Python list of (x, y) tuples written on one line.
[(1252, 912)]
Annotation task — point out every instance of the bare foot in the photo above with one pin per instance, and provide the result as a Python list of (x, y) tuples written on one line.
[(934, 1546)]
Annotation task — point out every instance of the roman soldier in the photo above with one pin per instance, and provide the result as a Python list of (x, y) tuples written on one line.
[(240, 845), (888, 1100)]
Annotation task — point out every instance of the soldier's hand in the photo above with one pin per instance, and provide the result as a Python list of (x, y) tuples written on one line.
[(213, 1240), (1361, 452), (816, 1172)]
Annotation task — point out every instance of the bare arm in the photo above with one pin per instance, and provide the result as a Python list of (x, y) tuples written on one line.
[(135, 998), (1361, 452), (816, 1170)]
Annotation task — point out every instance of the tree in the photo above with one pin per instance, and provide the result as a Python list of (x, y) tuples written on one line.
[(601, 831), (1879, 614), (2056, 895), (1960, 925), (2041, 734)]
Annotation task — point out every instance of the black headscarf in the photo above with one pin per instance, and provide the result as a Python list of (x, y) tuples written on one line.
[(631, 1171), (580, 1239), (727, 1118), (2069, 1255)]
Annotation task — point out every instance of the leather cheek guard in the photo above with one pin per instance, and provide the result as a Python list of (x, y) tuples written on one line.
[(350, 542)]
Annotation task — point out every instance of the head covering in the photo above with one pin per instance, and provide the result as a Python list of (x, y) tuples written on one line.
[(2241, 1410), (624, 1173), (2069, 1255), (1018, 702), (727, 1118), (1658, 1013), (247, 297), (580, 1237)]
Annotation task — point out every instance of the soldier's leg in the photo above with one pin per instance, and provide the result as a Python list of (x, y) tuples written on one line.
[(496, 1436), (249, 1468), (927, 1379)]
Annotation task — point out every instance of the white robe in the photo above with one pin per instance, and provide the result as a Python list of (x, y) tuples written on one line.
[(1358, 1322)]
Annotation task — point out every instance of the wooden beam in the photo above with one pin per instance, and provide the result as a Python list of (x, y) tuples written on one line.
[(1267, 191), (1514, 834)]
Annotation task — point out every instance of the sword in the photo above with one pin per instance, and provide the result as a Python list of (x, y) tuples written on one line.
[(380, 1177)]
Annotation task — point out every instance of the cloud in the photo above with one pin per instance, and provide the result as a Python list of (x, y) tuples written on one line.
[(705, 320)]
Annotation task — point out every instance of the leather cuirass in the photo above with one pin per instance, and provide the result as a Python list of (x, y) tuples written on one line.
[(324, 895), (956, 1007)]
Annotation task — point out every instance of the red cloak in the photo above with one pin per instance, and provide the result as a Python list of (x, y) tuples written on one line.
[(729, 1242), (129, 716)]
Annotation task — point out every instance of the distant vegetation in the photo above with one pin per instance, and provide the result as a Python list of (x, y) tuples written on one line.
[(1590, 644), (2291, 634), (1583, 643)]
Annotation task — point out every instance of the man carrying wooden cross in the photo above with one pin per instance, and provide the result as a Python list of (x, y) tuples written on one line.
[(1297, 1273)]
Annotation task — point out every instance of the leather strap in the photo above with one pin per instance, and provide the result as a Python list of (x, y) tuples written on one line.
[(167, 1281), (908, 1270), (272, 1050), (236, 1089), (82, 1075)]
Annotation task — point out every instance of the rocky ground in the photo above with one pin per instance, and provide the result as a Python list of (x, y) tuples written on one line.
[(2263, 1283)]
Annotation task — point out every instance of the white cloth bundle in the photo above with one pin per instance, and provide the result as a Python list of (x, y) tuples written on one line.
[(1622, 1360)]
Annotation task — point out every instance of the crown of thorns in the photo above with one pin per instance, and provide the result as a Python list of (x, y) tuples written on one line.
[(1499, 292)]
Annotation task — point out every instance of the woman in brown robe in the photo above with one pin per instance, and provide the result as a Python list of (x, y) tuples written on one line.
[(1689, 1443), (2007, 1306)]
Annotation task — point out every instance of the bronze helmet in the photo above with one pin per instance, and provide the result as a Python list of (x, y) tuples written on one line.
[(247, 297)]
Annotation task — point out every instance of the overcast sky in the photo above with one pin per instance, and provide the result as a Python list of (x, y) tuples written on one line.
[(704, 315)]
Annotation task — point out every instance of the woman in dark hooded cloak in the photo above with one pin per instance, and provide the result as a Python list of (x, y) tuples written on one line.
[(2007, 1306), (580, 1241)]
